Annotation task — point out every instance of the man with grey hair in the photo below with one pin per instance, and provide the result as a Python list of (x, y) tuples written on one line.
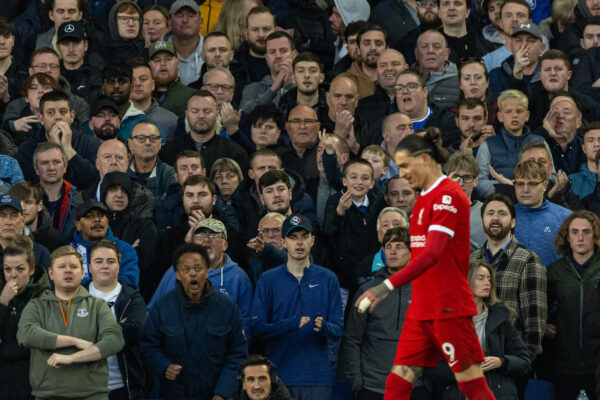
[(389, 217), (441, 75)]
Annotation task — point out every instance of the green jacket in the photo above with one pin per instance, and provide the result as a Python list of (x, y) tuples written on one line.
[(89, 318), (576, 350), (176, 98)]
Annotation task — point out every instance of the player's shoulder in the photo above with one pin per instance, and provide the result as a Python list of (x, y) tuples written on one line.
[(450, 192)]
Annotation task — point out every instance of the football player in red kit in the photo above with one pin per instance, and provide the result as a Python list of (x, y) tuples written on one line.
[(438, 321)]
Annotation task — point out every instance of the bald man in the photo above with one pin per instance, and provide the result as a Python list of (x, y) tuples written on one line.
[(112, 156), (383, 102), (441, 75), (342, 119)]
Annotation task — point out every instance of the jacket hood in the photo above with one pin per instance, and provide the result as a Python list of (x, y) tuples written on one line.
[(112, 19), (116, 178), (354, 10)]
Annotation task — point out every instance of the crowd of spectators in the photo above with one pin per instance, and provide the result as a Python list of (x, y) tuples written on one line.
[(193, 193)]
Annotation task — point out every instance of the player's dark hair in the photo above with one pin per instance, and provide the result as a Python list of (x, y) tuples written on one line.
[(117, 70), (55, 95), (265, 112), (416, 144), (400, 234), (370, 28), (272, 177), (501, 198), (254, 360), (308, 57)]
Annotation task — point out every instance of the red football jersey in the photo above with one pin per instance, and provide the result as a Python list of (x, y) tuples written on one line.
[(443, 291)]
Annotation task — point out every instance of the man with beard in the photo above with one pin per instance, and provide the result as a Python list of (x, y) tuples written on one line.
[(471, 117), (276, 195), (145, 167), (342, 120), (169, 91), (400, 194), (520, 274), (185, 23), (343, 13), (199, 202), (104, 120), (142, 86), (344, 64), (201, 116), (441, 75), (259, 381), (308, 74), (428, 18), (383, 102), (280, 53), (454, 14), (260, 23), (56, 117), (91, 226), (372, 40)]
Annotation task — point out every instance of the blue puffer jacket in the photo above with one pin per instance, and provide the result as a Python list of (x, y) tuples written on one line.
[(502, 153), (205, 338), (583, 181), (129, 271)]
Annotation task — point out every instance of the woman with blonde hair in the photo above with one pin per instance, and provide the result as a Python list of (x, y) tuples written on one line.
[(232, 20)]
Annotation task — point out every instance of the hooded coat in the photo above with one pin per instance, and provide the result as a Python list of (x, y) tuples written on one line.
[(117, 48), (14, 359)]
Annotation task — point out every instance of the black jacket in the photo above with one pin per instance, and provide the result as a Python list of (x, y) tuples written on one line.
[(395, 18), (353, 235), (375, 108), (215, 148), (502, 340), (371, 339), (288, 101), (46, 234), (444, 119), (363, 131), (86, 81), (587, 73), (569, 40), (130, 310), (256, 68)]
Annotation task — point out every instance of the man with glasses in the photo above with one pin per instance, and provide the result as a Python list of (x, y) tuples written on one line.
[(267, 248), (463, 168), (192, 302), (280, 52), (412, 100), (538, 219), (145, 167), (201, 118), (303, 128)]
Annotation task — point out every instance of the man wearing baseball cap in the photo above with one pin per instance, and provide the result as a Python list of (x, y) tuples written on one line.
[(12, 223), (298, 307), (92, 225), (72, 45), (104, 119), (169, 90), (185, 23), (526, 46)]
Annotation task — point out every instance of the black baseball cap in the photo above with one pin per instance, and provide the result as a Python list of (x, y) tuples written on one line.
[(295, 221), (89, 205), (71, 29), (103, 103)]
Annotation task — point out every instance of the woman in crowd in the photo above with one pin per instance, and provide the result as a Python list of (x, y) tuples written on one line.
[(155, 24), (473, 81), (232, 19), (21, 282), (70, 334), (227, 175)]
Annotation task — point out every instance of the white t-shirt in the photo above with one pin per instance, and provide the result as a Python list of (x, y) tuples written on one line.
[(115, 379)]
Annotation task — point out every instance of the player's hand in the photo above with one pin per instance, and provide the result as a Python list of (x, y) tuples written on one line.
[(56, 360), (304, 321), (318, 324), (490, 363), (499, 177), (173, 371), (9, 292), (376, 294), (257, 244), (550, 330), (344, 204)]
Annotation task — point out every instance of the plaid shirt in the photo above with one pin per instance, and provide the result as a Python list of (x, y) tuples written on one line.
[(521, 284)]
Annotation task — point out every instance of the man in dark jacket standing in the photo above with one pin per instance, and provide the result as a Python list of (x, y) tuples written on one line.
[(194, 319), (125, 369), (370, 338)]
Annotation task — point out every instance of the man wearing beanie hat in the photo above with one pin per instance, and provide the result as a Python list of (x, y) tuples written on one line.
[(343, 13), (298, 307), (116, 190)]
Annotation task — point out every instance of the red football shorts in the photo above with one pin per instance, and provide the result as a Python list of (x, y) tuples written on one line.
[(422, 343)]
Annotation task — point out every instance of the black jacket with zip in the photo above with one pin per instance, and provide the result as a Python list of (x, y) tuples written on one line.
[(130, 310)]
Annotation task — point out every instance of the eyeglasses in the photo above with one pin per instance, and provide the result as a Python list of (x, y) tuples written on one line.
[(216, 86), (187, 269), (467, 178), (522, 185), (45, 67), (307, 122), (143, 138), (274, 231), (425, 3), (210, 235), (411, 87), (128, 18)]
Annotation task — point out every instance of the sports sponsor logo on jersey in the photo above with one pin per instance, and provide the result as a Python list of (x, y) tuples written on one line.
[(417, 241), (445, 207), (446, 199)]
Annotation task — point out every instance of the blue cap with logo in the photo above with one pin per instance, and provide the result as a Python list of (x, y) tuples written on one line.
[(7, 200), (295, 221)]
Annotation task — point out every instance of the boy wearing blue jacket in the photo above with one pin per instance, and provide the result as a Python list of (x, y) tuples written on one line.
[(297, 309)]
